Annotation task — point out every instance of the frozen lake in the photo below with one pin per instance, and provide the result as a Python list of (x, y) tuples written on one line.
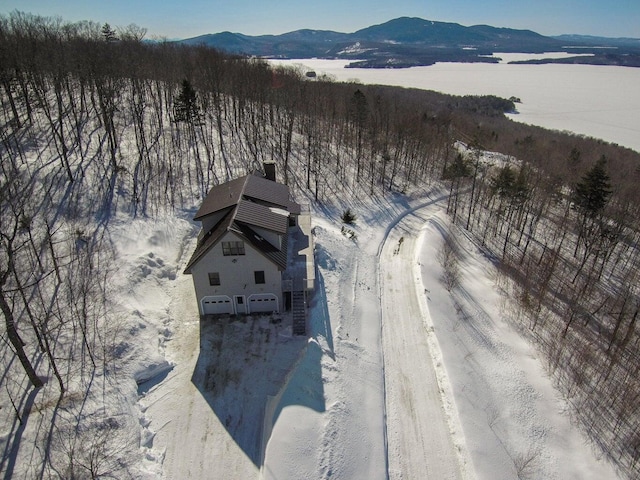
[(596, 101)]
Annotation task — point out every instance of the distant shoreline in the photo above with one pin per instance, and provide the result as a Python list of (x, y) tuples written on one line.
[(602, 59), (591, 100)]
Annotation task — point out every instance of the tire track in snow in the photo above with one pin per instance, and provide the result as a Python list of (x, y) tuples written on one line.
[(417, 425)]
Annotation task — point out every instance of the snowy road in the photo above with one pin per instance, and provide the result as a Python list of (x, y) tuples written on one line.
[(418, 429)]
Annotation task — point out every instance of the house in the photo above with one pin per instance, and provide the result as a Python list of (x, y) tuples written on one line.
[(241, 254)]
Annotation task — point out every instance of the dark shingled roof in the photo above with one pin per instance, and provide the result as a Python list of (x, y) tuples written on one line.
[(264, 190), (261, 216), (209, 239), (252, 198), (221, 197), (279, 257), (250, 187)]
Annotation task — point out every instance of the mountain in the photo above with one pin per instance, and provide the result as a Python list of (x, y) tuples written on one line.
[(593, 41), (441, 34), (405, 42), (400, 42)]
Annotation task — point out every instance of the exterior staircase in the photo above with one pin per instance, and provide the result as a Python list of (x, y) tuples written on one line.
[(299, 310)]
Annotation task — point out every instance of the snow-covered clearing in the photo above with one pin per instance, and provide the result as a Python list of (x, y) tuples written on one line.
[(399, 378)]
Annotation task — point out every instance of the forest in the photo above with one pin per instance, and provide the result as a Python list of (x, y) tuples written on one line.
[(96, 123)]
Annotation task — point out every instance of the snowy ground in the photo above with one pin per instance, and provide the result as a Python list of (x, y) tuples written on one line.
[(399, 378)]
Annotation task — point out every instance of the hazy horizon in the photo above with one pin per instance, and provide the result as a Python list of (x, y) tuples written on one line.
[(193, 18)]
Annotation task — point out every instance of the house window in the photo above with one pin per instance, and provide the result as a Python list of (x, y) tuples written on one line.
[(259, 276), (232, 248), (214, 278)]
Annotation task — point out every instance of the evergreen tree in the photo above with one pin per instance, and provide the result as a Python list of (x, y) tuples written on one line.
[(359, 108), (457, 169), (590, 196), (503, 182), (108, 33), (186, 106), (592, 193), (574, 158)]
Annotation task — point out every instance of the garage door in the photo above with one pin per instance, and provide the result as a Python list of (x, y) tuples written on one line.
[(263, 302), (216, 305)]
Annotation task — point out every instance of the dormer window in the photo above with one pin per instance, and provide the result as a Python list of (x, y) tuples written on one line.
[(232, 248)]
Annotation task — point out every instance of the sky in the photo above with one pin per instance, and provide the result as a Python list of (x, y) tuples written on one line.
[(190, 18)]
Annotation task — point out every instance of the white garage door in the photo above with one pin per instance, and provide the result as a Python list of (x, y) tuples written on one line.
[(263, 302), (216, 304)]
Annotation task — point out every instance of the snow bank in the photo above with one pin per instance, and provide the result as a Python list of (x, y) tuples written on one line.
[(515, 425)]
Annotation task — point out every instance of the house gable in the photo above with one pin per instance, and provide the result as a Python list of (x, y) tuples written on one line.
[(208, 239), (247, 274), (262, 226)]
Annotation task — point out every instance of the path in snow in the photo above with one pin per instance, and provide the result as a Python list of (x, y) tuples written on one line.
[(515, 423), (418, 426)]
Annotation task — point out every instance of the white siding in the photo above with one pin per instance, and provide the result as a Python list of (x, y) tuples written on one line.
[(236, 273), (272, 237)]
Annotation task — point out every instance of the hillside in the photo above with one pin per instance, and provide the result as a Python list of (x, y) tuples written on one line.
[(404, 42), (534, 284)]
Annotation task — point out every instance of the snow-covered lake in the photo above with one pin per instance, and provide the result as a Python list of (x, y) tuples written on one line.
[(596, 101)]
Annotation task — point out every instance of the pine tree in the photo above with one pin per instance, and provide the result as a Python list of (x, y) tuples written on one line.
[(503, 182), (186, 106), (590, 196), (593, 191), (455, 171), (108, 33)]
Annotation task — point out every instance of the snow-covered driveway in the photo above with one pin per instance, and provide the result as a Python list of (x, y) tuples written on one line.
[(418, 425)]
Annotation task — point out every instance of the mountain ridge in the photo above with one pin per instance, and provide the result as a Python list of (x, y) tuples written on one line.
[(405, 42)]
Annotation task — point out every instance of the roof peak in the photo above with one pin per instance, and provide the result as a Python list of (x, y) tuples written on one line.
[(252, 187)]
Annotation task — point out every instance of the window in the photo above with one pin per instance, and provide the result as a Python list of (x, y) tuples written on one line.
[(214, 278), (259, 276), (232, 248)]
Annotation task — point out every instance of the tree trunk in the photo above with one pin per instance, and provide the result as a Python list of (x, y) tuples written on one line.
[(17, 342)]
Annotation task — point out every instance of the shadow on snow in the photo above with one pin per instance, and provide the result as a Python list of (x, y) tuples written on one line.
[(250, 369)]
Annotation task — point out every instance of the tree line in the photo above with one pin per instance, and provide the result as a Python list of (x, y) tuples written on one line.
[(572, 248)]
